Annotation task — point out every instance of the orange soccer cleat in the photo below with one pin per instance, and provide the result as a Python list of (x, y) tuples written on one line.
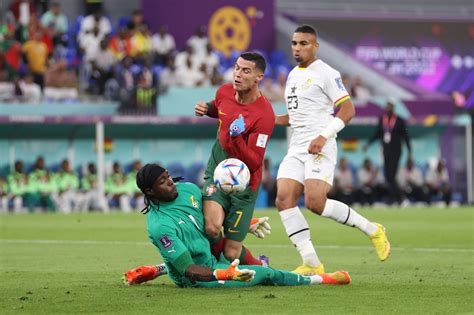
[(338, 277), (143, 274)]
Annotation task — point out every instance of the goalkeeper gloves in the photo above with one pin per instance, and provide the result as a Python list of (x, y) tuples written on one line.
[(260, 227), (237, 126), (234, 273)]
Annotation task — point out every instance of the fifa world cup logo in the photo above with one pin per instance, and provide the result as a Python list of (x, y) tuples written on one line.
[(229, 29)]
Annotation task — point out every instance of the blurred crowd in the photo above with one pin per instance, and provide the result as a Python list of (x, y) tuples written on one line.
[(417, 186), (46, 55), (62, 188), (367, 185)]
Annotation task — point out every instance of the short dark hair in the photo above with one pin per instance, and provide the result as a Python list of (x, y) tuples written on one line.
[(308, 29), (256, 58)]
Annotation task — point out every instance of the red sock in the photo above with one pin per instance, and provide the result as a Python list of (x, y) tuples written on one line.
[(217, 248), (246, 258)]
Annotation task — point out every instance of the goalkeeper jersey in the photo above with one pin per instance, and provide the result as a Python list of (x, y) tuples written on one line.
[(248, 147), (176, 228)]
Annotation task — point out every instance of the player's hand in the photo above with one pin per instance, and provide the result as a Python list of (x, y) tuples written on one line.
[(234, 273), (260, 227), (317, 145), (237, 126), (200, 109)]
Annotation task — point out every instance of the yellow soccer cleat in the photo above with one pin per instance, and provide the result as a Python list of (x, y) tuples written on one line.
[(380, 242), (306, 270)]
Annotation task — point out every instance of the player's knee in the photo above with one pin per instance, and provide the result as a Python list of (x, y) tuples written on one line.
[(315, 203), (212, 231), (232, 252), (284, 202)]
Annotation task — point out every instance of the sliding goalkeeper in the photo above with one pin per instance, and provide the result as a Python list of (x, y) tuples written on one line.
[(175, 225)]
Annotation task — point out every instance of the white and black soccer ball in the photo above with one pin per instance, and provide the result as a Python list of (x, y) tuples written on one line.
[(231, 176)]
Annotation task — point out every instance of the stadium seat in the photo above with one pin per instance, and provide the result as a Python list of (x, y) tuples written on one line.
[(194, 172), (123, 21), (262, 199), (77, 25), (177, 169)]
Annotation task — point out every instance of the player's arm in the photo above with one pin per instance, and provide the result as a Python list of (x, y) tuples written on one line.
[(252, 151), (346, 111), (202, 108), (175, 253), (201, 273), (282, 120)]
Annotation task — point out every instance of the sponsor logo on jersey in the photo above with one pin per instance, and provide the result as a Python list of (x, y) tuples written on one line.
[(194, 202), (339, 83), (211, 189), (165, 241), (262, 140), (307, 84), (317, 170)]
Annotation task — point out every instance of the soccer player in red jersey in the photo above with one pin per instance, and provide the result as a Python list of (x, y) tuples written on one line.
[(246, 122)]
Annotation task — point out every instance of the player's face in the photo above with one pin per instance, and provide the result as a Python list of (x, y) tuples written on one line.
[(246, 75), (164, 189), (304, 46)]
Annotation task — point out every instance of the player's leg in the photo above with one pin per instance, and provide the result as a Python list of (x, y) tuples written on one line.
[(317, 202), (143, 274), (289, 189), (213, 218), (270, 276), (236, 225)]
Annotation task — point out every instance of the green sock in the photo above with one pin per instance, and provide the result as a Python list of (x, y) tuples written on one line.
[(283, 277)]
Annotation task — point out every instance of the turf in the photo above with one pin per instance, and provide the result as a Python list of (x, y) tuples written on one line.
[(72, 264)]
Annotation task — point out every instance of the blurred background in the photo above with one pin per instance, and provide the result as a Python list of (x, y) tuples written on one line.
[(91, 90)]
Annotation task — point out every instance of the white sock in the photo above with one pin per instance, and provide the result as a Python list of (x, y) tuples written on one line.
[(316, 279), (344, 214), (298, 231), (162, 270)]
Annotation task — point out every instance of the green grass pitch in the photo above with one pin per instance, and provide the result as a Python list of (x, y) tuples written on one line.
[(73, 264)]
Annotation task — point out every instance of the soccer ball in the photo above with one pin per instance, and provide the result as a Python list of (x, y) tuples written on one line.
[(231, 176)]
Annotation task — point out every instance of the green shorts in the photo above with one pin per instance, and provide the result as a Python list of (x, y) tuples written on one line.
[(238, 209)]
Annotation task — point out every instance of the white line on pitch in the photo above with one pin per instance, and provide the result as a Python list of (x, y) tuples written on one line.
[(94, 242)]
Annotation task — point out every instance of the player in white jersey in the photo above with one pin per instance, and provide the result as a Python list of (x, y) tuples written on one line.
[(313, 89)]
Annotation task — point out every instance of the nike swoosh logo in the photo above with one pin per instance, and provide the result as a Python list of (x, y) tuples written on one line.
[(222, 113)]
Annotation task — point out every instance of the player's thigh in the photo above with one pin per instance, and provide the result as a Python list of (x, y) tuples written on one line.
[(290, 180), (292, 167), (213, 213), (214, 203), (239, 215)]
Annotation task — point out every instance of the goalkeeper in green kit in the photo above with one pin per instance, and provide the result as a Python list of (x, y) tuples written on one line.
[(175, 225)]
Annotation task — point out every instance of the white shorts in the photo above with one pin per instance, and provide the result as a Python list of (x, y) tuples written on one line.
[(302, 165)]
